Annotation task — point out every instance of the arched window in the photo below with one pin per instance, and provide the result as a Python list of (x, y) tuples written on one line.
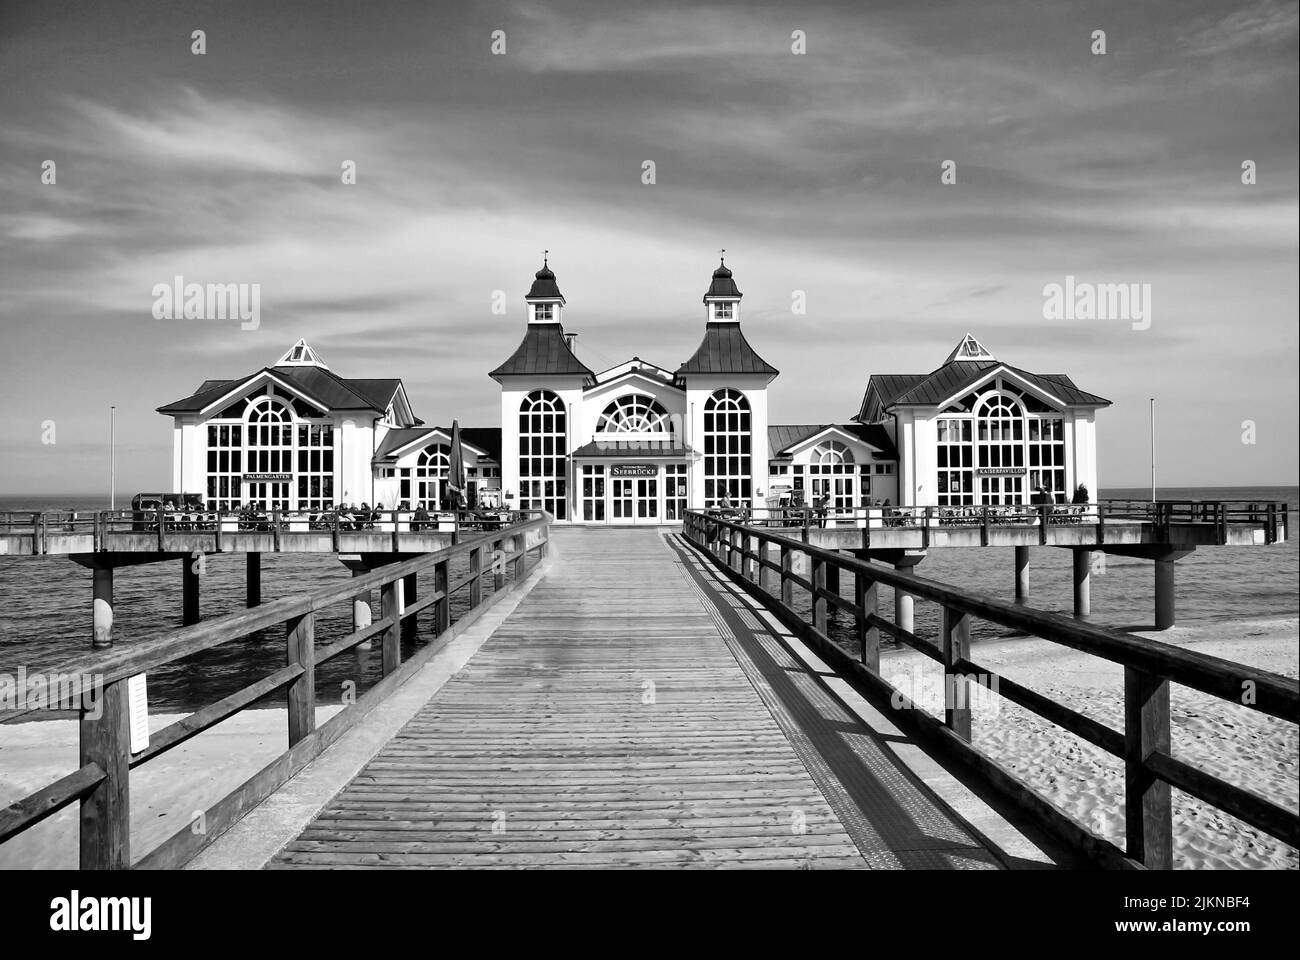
[(634, 414), (832, 472), (270, 437), (270, 451), (543, 454), (1000, 449), (431, 469), (727, 448)]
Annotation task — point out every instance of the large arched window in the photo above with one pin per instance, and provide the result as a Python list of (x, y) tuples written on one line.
[(543, 454), (270, 437), (634, 414), (1000, 449), (727, 448), (431, 470), (832, 471)]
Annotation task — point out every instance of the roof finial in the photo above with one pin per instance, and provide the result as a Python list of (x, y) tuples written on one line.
[(722, 255), (545, 256)]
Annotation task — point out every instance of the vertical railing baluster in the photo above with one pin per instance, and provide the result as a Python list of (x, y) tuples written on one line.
[(105, 825), (954, 648), (1148, 813), (818, 600), (442, 606), (475, 576), (787, 585), (865, 595), (390, 596), (300, 641)]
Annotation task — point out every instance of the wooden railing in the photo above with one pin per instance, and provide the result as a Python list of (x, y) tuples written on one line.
[(111, 529), (99, 687), (1150, 769), (1271, 516)]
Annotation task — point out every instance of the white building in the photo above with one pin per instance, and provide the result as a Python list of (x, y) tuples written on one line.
[(639, 442), (980, 431)]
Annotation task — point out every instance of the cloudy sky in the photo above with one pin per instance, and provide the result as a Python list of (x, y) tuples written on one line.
[(817, 172)]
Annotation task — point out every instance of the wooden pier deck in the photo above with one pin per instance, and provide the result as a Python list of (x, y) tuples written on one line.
[(630, 714)]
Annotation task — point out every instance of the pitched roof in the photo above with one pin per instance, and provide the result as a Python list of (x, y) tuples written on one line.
[(722, 285), (487, 439), (322, 386), (542, 352), (781, 437), (954, 377), (725, 350), (544, 286)]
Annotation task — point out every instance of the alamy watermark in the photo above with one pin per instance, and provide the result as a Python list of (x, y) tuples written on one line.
[(52, 691), (179, 300), (1081, 300)]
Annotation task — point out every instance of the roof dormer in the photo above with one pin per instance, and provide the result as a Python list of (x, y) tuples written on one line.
[(301, 355)]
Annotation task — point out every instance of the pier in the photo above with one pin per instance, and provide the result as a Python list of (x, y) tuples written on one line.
[(650, 697)]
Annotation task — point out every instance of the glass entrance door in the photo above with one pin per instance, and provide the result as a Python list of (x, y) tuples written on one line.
[(634, 500), (1000, 490)]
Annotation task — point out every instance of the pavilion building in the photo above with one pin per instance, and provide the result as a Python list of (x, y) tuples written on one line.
[(637, 443)]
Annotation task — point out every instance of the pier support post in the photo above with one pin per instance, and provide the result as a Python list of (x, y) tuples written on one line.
[(1164, 557), (1082, 583), (103, 608), (1165, 590), (189, 591), (1022, 574), (904, 602), (252, 579)]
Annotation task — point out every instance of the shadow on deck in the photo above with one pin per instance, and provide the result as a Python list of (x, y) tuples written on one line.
[(636, 711)]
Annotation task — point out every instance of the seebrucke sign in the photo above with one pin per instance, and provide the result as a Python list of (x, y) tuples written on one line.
[(634, 470)]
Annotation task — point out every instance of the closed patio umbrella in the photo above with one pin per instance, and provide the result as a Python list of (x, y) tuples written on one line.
[(456, 469)]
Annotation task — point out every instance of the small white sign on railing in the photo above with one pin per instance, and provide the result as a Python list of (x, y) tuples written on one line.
[(137, 700)]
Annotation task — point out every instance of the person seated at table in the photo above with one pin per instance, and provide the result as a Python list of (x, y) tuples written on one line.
[(420, 519), (365, 518), (724, 504)]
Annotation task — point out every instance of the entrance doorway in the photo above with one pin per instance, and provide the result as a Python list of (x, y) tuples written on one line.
[(999, 490), (634, 499)]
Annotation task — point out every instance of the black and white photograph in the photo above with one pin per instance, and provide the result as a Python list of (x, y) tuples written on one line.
[(637, 438)]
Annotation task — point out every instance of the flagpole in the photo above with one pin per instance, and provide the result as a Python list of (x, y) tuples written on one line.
[(1153, 449), (112, 466)]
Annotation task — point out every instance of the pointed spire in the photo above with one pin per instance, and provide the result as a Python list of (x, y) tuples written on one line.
[(301, 355), (722, 299), (970, 349)]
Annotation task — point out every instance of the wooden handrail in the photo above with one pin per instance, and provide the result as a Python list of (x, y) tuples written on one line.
[(1150, 666), (101, 782)]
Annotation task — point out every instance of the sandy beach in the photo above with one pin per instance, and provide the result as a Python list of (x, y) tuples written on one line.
[(1242, 746), (166, 794)]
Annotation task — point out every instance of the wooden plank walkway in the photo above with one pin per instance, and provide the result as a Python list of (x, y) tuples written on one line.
[(606, 723)]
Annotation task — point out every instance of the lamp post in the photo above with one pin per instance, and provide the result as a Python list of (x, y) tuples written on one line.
[(1153, 449), (112, 471)]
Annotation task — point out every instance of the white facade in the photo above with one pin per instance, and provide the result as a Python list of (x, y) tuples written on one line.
[(637, 443)]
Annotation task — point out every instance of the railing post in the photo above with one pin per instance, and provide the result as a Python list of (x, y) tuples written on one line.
[(925, 527), (442, 606), (275, 529), (819, 601), (1044, 517), (764, 558), (300, 639), (498, 566), (390, 598), (984, 525), (334, 532), (1148, 813), (521, 561), (787, 567), (162, 529), (746, 563), (476, 576), (865, 595), (733, 550), (955, 647), (807, 516), (1101, 523), (105, 828)]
